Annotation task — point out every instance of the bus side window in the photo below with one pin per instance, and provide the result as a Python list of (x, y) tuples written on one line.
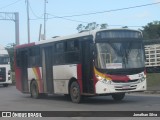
[(60, 47), (73, 45), (72, 53), (59, 56), (34, 57), (18, 58)]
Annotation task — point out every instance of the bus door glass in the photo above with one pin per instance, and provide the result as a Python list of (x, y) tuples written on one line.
[(87, 67)]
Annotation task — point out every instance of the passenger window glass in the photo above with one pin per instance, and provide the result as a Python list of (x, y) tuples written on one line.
[(73, 45), (60, 47)]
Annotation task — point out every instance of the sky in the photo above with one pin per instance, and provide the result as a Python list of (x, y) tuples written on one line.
[(140, 16)]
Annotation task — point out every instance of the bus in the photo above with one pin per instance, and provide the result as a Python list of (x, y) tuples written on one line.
[(5, 70), (102, 62)]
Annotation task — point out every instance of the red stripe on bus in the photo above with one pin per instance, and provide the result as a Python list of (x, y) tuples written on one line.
[(119, 77), (18, 79), (25, 45)]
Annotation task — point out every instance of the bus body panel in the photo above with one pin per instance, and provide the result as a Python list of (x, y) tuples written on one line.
[(61, 76), (35, 73), (125, 83)]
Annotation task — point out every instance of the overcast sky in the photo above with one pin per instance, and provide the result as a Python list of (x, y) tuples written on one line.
[(59, 27)]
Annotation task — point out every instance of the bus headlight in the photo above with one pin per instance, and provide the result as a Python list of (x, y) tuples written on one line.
[(142, 79), (103, 80)]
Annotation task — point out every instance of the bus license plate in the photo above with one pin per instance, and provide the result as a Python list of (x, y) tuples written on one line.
[(125, 87)]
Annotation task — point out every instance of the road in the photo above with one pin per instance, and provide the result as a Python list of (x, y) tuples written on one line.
[(13, 100)]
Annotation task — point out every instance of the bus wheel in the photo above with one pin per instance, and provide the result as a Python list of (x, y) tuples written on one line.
[(75, 92), (5, 85), (34, 90), (118, 96)]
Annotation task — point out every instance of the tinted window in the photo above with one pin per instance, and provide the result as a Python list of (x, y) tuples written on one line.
[(73, 45), (67, 52), (18, 58), (34, 57), (60, 47)]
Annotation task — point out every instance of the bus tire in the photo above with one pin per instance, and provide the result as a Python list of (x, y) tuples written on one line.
[(34, 90), (75, 92), (5, 85), (118, 96)]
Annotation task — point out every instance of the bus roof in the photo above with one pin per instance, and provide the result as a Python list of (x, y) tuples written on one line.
[(81, 34)]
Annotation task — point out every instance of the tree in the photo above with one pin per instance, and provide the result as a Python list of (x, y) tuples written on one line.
[(80, 27), (152, 30), (10, 48), (104, 26), (91, 26)]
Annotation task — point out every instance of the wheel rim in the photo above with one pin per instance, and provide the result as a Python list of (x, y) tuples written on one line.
[(34, 91), (75, 92)]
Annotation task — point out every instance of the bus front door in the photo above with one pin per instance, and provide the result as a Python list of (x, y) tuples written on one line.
[(87, 67)]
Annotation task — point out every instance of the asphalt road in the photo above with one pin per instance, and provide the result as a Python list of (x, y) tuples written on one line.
[(13, 100)]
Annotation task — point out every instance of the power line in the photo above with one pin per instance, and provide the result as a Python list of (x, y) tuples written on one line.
[(34, 12), (55, 16), (113, 10), (10, 4)]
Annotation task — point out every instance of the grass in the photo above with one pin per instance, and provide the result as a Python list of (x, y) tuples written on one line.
[(153, 80)]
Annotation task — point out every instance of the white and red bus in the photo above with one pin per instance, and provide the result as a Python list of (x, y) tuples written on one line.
[(5, 69), (103, 62)]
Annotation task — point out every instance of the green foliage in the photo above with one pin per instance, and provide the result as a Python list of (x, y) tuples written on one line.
[(152, 30), (153, 81), (103, 26), (91, 26), (10, 48)]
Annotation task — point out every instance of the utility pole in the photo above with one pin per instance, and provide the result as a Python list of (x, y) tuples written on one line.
[(17, 27), (28, 22), (45, 1), (40, 32)]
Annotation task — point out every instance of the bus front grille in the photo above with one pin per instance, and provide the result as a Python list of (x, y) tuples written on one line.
[(2, 74), (125, 87), (121, 81)]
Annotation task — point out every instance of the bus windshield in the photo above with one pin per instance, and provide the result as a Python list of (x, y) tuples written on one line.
[(4, 59), (120, 55)]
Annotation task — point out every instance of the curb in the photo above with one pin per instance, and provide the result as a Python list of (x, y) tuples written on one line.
[(148, 92), (152, 92)]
